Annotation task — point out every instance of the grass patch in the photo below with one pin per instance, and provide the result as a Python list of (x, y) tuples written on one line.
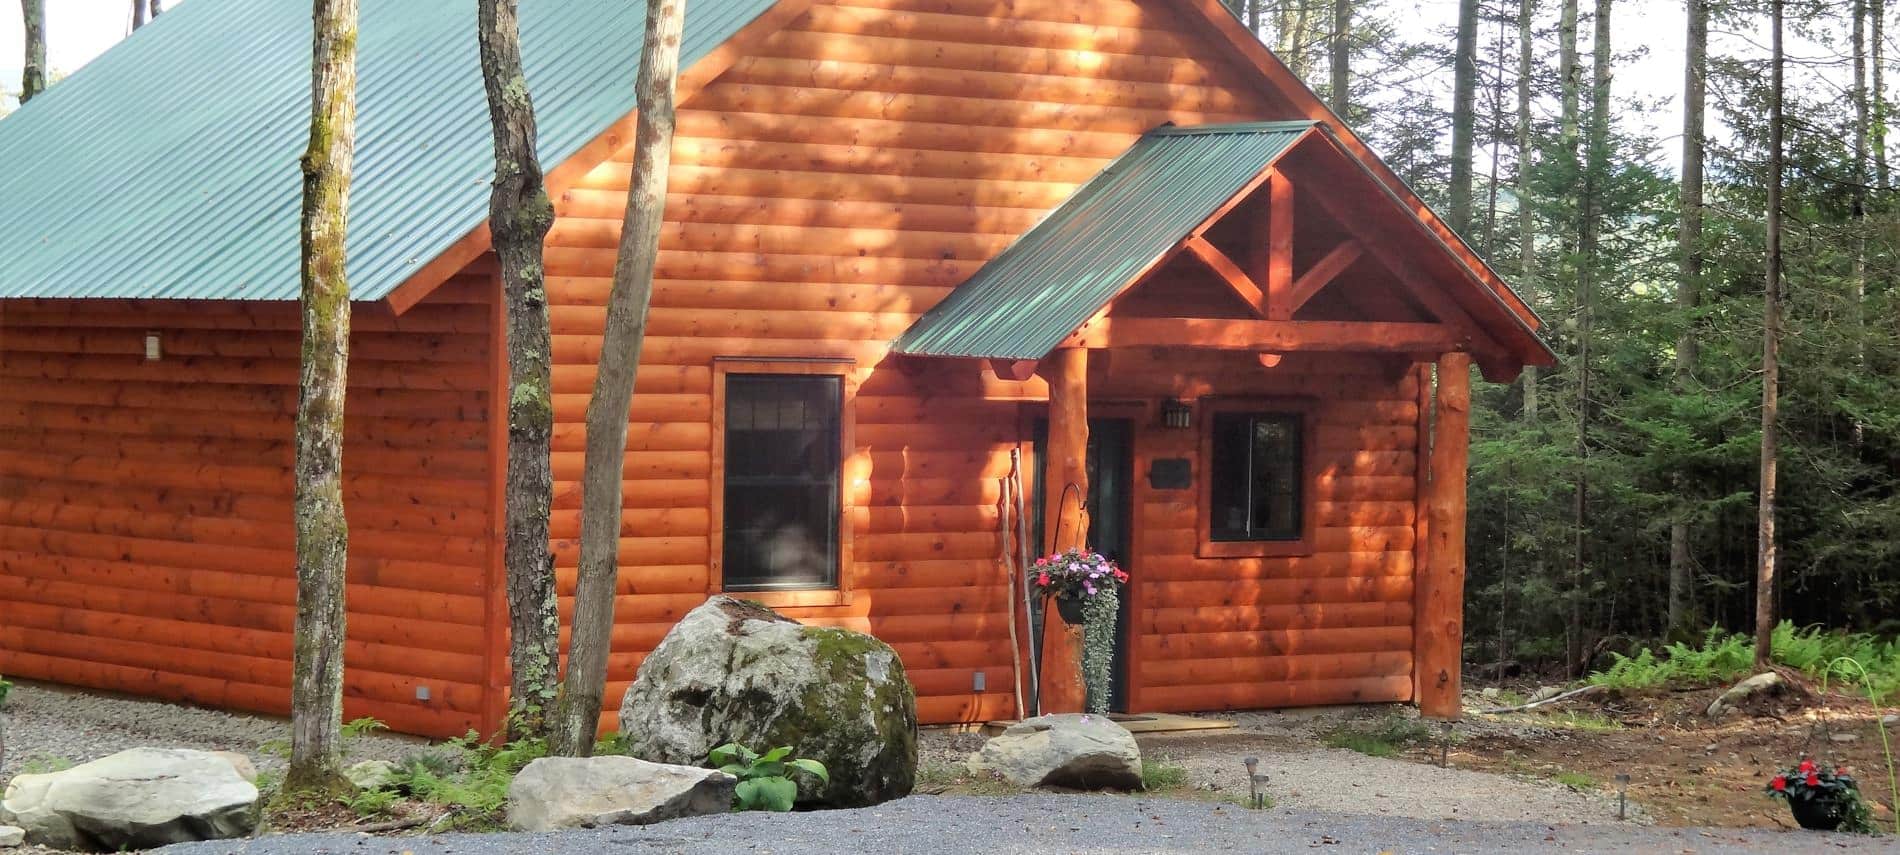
[(956, 779), (1585, 721), (1576, 781), (44, 765), (1157, 776), (1386, 738)]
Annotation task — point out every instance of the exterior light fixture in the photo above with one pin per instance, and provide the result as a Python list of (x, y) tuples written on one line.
[(1175, 413), (152, 351)]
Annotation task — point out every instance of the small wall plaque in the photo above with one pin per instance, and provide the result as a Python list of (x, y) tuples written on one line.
[(1170, 473)]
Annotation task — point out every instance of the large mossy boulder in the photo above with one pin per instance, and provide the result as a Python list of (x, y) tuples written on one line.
[(137, 799), (736, 671)]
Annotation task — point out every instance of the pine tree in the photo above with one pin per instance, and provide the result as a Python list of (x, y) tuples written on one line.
[(1770, 359), (1463, 116), (1688, 285)]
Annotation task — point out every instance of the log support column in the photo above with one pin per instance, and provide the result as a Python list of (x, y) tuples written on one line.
[(1439, 589), (1065, 519)]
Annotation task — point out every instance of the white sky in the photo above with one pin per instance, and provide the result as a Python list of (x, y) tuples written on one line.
[(76, 31)]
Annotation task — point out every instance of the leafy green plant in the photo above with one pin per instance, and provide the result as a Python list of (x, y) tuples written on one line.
[(1842, 666), (1834, 793), (1724, 657), (5, 687), (373, 802), (1385, 739), (765, 781), (362, 727), (1576, 781)]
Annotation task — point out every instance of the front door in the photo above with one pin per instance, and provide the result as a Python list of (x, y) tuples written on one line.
[(1111, 464)]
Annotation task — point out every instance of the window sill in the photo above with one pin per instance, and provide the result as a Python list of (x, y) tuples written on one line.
[(1254, 548), (795, 599)]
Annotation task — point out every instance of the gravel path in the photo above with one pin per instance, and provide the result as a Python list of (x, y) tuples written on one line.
[(51, 726), (1040, 823)]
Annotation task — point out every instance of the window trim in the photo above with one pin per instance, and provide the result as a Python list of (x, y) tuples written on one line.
[(1305, 409), (845, 371)]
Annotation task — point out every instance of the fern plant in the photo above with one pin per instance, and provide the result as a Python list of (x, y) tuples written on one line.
[(765, 781)]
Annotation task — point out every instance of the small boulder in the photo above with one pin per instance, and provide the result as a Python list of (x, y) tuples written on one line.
[(136, 799), (1083, 752), (736, 671), (11, 835), (371, 774), (1765, 683), (1545, 693), (586, 792)]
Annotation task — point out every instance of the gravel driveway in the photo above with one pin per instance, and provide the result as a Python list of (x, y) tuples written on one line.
[(1039, 823), (53, 726)]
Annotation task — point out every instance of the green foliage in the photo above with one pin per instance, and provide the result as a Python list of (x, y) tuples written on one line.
[(1723, 658), (1098, 648), (362, 727), (466, 775), (1584, 721), (1157, 776), (373, 802), (5, 688), (765, 781)]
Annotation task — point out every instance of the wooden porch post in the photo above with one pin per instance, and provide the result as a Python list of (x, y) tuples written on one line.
[(1440, 581), (1065, 521)]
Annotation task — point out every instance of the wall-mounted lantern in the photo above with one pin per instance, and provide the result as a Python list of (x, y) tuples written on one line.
[(1175, 413)]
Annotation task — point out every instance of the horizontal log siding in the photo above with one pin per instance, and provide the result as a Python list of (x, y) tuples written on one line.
[(146, 542), (825, 192), (1333, 626)]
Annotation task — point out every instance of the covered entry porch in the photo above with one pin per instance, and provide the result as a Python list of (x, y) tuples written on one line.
[(1282, 353)]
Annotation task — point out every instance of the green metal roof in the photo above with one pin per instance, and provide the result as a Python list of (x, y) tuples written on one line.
[(1055, 277), (167, 167)]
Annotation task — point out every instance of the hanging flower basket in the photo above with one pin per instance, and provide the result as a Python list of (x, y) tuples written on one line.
[(1071, 608), (1074, 577), (1821, 800)]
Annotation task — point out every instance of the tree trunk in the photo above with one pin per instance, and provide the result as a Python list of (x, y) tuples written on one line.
[(1688, 287), (157, 9), (1878, 37), (1464, 97), (519, 216), (138, 14), (1596, 166), (601, 475), (1567, 129), (1770, 363), (1526, 220), (1858, 200), (1341, 94), (33, 78), (316, 702)]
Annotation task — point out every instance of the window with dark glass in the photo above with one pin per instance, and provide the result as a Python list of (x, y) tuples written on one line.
[(1255, 477), (781, 490)]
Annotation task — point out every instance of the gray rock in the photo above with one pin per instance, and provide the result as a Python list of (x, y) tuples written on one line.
[(1765, 683), (585, 792), (371, 774), (736, 671), (11, 835), (1490, 693), (1083, 752), (1844, 737), (136, 799), (1546, 693), (1890, 720)]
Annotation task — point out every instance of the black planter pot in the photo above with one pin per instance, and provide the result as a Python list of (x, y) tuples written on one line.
[(1070, 609), (1818, 814)]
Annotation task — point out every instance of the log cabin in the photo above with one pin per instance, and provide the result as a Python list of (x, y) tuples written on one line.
[(911, 247)]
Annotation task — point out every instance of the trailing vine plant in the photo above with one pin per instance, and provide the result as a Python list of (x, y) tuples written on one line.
[(1098, 646)]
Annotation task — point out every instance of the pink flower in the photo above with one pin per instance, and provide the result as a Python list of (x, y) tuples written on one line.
[(1042, 579)]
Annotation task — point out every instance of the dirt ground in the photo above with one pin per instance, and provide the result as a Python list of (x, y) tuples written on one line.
[(1685, 769)]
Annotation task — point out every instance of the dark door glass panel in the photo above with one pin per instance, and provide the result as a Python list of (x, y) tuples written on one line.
[(782, 481)]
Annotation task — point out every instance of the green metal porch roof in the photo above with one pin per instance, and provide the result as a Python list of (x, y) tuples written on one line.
[(167, 168), (1055, 277)]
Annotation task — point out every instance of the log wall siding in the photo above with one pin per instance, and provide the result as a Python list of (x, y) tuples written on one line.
[(826, 190), (146, 542)]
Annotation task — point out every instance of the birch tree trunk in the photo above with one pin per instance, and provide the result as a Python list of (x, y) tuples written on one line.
[(138, 14), (579, 716), (1341, 64), (1568, 124), (1770, 362), (1858, 197), (519, 215), (1526, 218), (1877, 10), (316, 701), (1464, 98), (33, 77), (1688, 285)]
